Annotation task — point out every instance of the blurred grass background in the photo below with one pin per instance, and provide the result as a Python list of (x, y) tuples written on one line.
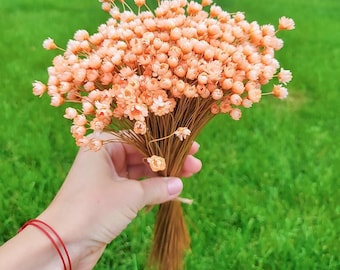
[(268, 194)]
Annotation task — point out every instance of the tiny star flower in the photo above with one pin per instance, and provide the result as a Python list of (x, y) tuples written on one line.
[(235, 114), (70, 113), (284, 76), (95, 144), (279, 91), (106, 6), (139, 127), (254, 95), (136, 111), (139, 3), (156, 163), (161, 107), (57, 100), (286, 23), (48, 44), (80, 120), (81, 35), (182, 133), (206, 3), (78, 131), (97, 125), (235, 99), (82, 141), (214, 109), (39, 88)]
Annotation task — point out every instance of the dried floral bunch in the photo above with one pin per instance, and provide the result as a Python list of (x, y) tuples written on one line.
[(155, 78)]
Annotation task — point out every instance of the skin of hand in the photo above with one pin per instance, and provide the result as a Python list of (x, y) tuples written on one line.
[(100, 197)]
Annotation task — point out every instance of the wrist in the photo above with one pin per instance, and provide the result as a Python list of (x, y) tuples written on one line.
[(54, 238), (83, 252)]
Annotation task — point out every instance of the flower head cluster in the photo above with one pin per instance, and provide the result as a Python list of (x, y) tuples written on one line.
[(142, 64)]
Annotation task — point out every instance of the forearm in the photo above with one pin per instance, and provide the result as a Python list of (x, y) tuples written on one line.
[(39, 246), (30, 249)]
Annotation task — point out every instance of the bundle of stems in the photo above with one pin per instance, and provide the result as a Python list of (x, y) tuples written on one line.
[(171, 237)]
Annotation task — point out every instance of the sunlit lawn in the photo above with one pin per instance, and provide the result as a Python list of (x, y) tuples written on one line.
[(268, 195)]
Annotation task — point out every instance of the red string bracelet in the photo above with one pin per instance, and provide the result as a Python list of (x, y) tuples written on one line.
[(54, 238)]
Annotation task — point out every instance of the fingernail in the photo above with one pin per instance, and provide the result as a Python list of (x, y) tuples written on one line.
[(175, 186)]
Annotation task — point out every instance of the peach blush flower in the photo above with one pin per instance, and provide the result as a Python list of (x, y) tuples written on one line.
[(70, 113), (97, 125), (140, 3), (48, 44), (255, 95), (139, 127), (81, 35), (279, 91), (82, 141), (106, 6), (284, 76), (235, 99), (247, 103), (235, 114), (39, 88), (214, 109), (136, 111), (78, 131), (225, 106), (57, 100), (95, 144), (286, 23), (87, 107), (160, 107), (80, 120), (182, 133), (206, 3), (156, 163)]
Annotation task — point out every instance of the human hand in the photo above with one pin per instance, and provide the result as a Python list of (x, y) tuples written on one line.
[(100, 197)]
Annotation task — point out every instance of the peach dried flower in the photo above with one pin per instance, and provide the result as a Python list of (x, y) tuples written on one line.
[(279, 91), (95, 144), (80, 120), (182, 133), (286, 23), (136, 111), (255, 95), (235, 99), (156, 163), (78, 131), (39, 88), (206, 3), (70, 113), (284, 76), (140, 127), (139, 3), (48, 44), (81, 35), (235, 114), (57, 100)]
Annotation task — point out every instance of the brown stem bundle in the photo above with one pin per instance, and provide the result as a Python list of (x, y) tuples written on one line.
[(171, 238)]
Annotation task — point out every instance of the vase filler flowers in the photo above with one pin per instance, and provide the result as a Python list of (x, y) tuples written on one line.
[(154, 78)]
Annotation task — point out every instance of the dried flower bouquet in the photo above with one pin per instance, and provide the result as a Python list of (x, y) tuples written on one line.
[(154, 78)]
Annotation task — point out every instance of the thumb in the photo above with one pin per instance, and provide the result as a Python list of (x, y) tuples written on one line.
[(161, 189)]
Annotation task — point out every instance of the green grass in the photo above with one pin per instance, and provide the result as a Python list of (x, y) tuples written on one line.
[(268, 194)]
